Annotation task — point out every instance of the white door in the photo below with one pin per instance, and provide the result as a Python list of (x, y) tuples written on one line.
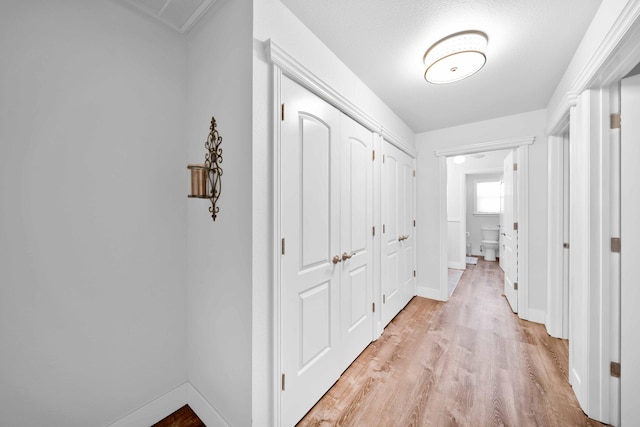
[(406, 229), (501, 238), (398, 282), (310, 214), (630, 238), (510, 234), (356, 321)]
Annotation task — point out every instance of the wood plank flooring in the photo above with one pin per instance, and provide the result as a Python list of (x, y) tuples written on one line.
[(183, 417), (467, 362)]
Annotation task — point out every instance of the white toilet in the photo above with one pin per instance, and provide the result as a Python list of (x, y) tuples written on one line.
[(490, 242)]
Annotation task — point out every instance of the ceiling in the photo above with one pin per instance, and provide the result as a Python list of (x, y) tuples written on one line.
[(180, 15), (383, 41)]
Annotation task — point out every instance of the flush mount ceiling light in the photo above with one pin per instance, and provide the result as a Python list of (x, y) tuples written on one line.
[(455, 57)]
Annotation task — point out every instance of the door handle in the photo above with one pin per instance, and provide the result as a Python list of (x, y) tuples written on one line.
[(401, 238), (346, 256), (336, 259)]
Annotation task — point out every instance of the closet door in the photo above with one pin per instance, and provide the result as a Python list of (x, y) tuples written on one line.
[(391, 249), (406, 229), (356, 239), (311, 356), (398, 238)]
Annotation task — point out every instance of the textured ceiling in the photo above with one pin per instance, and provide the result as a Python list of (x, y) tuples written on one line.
[(383, 41), (180, 15)]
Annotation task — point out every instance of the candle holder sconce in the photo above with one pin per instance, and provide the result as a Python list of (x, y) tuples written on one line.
[(205, 178)]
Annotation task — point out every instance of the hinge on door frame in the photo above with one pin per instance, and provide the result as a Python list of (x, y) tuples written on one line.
[(282, 112), (615, 121), (383, 158), (373, 155), (373, 231), (384, 229), (414, 172), (384, 299), (614, 369), (373, 306), (414, 222), (515, 166), (282, 382), (283, 246), (565, 245), (616, 245), (515, 286), (515, 226), (414, 273)]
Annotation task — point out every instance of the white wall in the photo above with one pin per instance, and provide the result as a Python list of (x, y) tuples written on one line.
[(92, 212), (520, 125), (219, 253), (273, 20)]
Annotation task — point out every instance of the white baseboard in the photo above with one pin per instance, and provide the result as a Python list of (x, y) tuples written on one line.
[(156, 410), (426, 292), (168, 403), (203, 409), (457, 265), (536, 316)]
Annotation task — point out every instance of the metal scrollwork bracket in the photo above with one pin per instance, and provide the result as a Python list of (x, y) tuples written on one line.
[(206, 180)]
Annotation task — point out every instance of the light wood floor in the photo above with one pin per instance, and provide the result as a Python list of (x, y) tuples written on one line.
[(467, 362)]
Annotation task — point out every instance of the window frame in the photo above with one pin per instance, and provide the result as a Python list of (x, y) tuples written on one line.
[(477, 181)]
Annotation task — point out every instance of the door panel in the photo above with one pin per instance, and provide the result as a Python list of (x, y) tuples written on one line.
[(310, 290), (356, 206), (510, 235), (391, 255), (398, 281), (315, 183)]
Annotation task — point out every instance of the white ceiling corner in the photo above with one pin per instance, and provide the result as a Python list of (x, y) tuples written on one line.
[(383, 41), (181, 15)]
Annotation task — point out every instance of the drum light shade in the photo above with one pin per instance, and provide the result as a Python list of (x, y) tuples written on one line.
[(455, 57)]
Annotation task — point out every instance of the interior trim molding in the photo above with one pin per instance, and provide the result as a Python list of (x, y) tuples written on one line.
[(502, 144), (611, 42), (537, 316), (203, 409), (427, 292), (559, 120), (296, 71), (168, 403), (616, 55), (157, 409)]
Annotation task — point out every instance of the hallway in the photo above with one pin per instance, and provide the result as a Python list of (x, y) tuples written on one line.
[(467, 362)]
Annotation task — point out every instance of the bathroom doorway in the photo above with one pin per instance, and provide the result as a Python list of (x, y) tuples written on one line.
[(474, 209), (453, 242)]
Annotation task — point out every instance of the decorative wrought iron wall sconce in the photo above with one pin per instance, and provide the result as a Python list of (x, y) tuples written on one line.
[(205, 178)]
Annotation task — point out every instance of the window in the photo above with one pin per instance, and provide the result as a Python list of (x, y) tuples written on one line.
[(487, 197)]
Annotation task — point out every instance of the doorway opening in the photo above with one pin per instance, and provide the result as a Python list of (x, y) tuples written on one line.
[(475, 207), (520, 149)]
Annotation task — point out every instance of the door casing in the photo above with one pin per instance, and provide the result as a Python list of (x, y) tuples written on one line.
[(521, 145)]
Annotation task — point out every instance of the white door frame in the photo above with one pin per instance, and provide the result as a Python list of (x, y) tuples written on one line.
[(614, 58), (522, 148)]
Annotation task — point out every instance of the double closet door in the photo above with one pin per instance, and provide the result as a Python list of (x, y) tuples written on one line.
[(398, 231), (326, 214)]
